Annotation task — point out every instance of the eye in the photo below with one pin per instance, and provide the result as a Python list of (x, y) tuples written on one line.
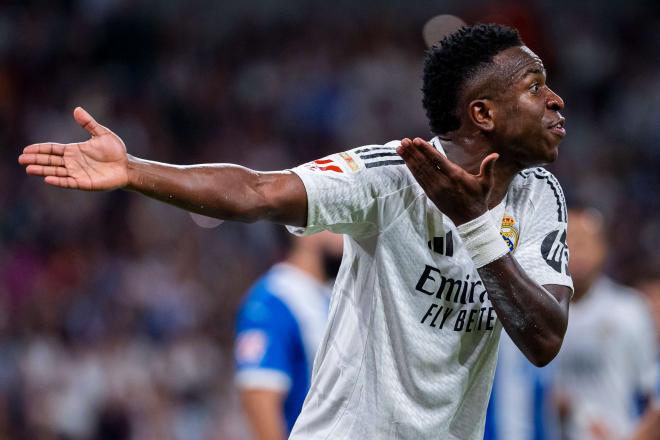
[(534, 88)]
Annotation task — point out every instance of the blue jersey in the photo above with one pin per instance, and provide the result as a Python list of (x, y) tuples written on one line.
[(279, 327), (519, 407)]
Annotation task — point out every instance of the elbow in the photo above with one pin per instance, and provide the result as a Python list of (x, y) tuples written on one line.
[(541, 361), (546, 350)]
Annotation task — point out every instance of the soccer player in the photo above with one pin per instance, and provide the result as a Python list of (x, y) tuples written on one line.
[(427, 282), (279, 327), (607, 366)]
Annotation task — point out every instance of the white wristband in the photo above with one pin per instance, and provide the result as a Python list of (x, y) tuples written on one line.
[(482, 240)]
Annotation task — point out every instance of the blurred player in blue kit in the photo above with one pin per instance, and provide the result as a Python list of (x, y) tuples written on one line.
[(278, 330), (427, 282)]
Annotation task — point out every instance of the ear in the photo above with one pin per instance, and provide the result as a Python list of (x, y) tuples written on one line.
[(482, 114)]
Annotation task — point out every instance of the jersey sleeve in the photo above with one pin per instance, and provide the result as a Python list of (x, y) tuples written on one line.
[(262, 348), (641, 341), (357, 192), (542, 251)]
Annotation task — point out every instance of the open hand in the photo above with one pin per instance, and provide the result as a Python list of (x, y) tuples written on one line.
[(100, 163), (460, 195)]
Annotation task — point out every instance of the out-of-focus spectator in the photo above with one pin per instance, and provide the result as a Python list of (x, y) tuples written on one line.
[(279, 329)]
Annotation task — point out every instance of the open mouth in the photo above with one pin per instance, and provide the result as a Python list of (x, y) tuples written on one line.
[(558, 127)]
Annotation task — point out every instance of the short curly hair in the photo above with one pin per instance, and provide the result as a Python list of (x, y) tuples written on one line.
[(454, 60)]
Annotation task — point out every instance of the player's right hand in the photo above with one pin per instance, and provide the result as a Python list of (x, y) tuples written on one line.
[(98, 164), (460, 195)]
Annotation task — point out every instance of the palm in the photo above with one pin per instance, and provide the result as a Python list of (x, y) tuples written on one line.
[(460, 195), (95, 165), (99, 163)]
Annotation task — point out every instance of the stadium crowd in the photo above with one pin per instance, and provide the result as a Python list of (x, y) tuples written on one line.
[(116, 313)]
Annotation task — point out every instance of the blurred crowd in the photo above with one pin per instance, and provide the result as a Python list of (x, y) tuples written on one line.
[(116, 312)]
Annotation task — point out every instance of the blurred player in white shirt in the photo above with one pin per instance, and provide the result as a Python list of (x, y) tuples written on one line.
[(606, 368)]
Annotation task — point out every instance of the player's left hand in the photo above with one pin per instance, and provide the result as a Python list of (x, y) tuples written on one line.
[(460, 195)]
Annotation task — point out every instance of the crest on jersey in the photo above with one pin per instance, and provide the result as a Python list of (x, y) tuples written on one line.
[(510, 232)]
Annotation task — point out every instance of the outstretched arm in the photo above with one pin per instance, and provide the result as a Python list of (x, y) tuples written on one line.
[(534, 316), (225, 191)]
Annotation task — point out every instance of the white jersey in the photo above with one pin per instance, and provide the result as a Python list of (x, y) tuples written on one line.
[(607, 358), (411, 344)]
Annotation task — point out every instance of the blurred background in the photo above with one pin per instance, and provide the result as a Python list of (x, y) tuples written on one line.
[(116, 312)]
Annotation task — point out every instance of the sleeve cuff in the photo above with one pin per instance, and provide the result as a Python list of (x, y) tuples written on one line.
[(302, 230), (263, 379)]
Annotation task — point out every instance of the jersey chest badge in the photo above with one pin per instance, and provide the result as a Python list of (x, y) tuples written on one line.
[(510, 232)]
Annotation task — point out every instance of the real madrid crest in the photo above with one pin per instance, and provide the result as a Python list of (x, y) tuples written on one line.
[(509, 232)]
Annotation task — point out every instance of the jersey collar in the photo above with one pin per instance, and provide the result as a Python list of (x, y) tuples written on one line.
[(438, 146)]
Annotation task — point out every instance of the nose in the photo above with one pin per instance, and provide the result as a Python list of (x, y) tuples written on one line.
[(554, 101)]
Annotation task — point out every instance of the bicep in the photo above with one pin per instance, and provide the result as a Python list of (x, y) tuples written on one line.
[(284, 198)]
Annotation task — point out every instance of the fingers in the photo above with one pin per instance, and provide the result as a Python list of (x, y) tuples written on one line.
[(486, 171), (61, 182), (40, 170), (40, 159), (423, 169), (438, 159), (86, 121), (404, 148), (416, 150), (421, 155), (424, 154), (45, 148)]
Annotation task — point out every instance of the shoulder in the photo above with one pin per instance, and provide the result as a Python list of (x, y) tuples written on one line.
[(365, 161), (377, 155), (262, 305), (628, 302), (542, 189), (628, 299)]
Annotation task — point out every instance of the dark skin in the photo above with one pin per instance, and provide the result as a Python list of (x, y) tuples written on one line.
[(501, 134), (505, 127)]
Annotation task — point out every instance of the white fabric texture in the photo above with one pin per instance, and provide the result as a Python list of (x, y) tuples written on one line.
[(411, 345), (608, 357), (263, 379)]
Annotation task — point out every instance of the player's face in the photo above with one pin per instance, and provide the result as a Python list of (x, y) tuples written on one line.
[(528, 124), (587, 245)]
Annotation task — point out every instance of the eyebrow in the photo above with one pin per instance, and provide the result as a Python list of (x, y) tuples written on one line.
[(536, 70)]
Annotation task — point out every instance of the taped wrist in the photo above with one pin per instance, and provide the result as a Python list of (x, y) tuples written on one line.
[(482, 240)]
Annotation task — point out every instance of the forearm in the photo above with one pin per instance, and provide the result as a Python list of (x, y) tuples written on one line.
[(263, 410), (531, 315), (225, 191)]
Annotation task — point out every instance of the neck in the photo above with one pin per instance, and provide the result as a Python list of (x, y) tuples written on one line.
[(468, 151), (308, 262)]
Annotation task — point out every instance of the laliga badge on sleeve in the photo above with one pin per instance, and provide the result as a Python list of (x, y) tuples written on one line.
[(251, 347)]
